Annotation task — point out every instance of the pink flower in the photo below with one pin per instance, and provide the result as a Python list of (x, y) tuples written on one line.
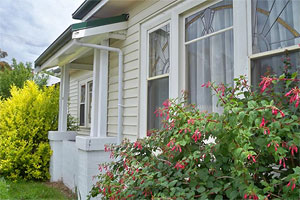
[(167, 103), (251, 157), (221, 88), (197, 135), (263, 123), (293, 149), (191, 121), (138, 145), (293, 187), (179, 166), (245, 196), (106, 148), (208, 84), (282, 162), (294, 184), (265, 83), (276, 110), (294, 96), (170, 143)]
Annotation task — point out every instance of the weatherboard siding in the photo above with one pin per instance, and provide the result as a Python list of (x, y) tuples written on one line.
[(131, 49)]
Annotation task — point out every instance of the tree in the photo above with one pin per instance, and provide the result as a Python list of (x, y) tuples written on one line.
[(17, 76), (3, 54)]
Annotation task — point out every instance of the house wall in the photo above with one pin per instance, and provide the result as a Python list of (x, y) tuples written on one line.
[(131, 49)]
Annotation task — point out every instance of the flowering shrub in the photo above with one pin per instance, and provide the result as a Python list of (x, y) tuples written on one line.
[(254, 154), (25, 119)]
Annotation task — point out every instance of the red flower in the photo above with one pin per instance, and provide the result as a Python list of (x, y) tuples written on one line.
[(293, 149), (197, 135), (191, 121), (282, 162), (170, 143), (276, 110), (253, 158), (294, 184), (295, 92), (166, 104), (263, 122), (265, 83), (138, 145), (179, 166), (221, 88), (208, 84)]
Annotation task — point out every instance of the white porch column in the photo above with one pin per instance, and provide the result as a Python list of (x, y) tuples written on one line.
[(99, 99), (63, 99)]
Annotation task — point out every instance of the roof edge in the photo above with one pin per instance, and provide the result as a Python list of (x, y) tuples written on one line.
[(100, 22), (62, 39), (84, 8), (66, 36)]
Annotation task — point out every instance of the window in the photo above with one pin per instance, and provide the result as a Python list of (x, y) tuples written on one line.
[(275, 25), (209, 52), (85, 103), (158, 72)]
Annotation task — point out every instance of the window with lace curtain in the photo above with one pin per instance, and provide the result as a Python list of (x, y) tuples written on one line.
[(158, 73), (275, 28), (209, 52)]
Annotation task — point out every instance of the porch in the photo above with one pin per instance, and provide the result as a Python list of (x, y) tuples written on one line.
[(84, 47)]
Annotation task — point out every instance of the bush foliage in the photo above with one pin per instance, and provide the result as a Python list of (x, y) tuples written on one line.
[(26, 117), (254, 154)]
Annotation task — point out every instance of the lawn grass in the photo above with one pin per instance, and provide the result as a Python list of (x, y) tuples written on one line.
[(28, 190)]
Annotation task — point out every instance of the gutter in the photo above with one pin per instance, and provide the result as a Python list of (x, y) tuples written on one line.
[(120, 92), (85, 8)]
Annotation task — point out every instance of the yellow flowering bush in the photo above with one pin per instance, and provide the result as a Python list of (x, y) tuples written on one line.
[(25, 119)]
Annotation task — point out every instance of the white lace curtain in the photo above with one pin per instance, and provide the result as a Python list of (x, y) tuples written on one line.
[(211, 58)]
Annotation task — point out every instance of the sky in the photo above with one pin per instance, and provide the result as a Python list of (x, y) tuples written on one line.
[(28, 27)]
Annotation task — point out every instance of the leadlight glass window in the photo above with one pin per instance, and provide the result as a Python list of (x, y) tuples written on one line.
[(209, 51), (158, 73), (275, 24), (159, 51)]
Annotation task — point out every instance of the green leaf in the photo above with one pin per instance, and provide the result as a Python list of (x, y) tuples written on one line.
[(219, 197), (172, 183), (201, 189), (233, 194), (252, 104)]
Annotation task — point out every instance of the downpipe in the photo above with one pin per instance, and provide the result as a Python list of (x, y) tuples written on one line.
[(120, 88)]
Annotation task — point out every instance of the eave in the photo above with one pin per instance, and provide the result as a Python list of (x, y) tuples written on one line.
[(85, 8), (66, 37)]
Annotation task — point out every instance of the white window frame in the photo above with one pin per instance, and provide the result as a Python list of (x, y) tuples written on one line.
[(175, 15), (86, 103)]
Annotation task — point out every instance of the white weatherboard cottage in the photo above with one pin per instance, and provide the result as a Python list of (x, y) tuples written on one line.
[(126, 57)]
